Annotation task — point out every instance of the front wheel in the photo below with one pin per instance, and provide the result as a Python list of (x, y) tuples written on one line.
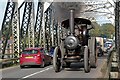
[(57, 60), (93, 52), (86, 60)]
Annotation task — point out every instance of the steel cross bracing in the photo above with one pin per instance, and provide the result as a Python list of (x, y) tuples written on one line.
[(7, 24), (15, 31), (55, 33), (25, 25), (117, 24), (114, 71), (55, 29), (97, 8), (58, 33), (38, 24), (31, 28), (117, 32), (48, 15)]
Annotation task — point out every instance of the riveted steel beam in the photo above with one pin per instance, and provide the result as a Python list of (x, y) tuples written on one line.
[(38, 24), (55, 32), (25, 25), (48, 38), (15, 31), (115, 65), (117, 27), (7, 24), (31, 28)]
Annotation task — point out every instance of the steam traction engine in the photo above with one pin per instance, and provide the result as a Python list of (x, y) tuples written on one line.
[(77, 46)]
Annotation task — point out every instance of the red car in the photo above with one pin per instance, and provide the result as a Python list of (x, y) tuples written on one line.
[(34, 56)]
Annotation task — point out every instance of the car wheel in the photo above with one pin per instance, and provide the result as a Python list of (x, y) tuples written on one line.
[(21, 66), (43, 64), (86, 60)]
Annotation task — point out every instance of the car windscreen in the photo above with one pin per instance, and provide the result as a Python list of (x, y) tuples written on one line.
[(29, 52)]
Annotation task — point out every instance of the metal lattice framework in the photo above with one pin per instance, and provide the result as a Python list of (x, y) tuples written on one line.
[(7, 24), (38, 24), (25, 24), (117, 28), (98, 8), (31, 28), (60, 34), (48, 15), (15, 30), (55, 33)]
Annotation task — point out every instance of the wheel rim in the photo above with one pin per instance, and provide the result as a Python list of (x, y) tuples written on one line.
[(93, 55), (86, 59), (56, 60), (43, 63)]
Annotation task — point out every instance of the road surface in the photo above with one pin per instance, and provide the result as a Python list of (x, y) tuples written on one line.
[(48, 71)]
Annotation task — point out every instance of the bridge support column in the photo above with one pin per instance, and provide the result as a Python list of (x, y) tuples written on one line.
[(117, 32)]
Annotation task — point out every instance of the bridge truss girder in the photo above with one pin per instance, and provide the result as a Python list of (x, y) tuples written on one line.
[(48, 17), (15, 31), (27, 26), (7, 25), (117, 30), (38, 24)]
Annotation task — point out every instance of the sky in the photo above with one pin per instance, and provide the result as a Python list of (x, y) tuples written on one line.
[(101, 19), (2, 10)]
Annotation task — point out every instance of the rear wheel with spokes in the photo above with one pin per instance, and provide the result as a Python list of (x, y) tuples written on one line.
[(57, 60)]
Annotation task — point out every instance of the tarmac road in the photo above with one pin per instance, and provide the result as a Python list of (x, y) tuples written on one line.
[(77, 71)]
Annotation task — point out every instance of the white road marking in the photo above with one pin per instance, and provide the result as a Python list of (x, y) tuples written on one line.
[(37, 73)]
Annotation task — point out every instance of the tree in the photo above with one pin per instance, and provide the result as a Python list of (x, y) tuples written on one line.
[(96, 30), (105, 30), (108, 30)]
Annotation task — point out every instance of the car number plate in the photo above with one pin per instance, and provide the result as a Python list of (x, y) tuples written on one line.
[(29, 57)]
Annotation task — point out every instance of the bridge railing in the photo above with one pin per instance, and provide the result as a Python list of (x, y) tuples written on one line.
[(9, 60), (112, 64), (110, 54)]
